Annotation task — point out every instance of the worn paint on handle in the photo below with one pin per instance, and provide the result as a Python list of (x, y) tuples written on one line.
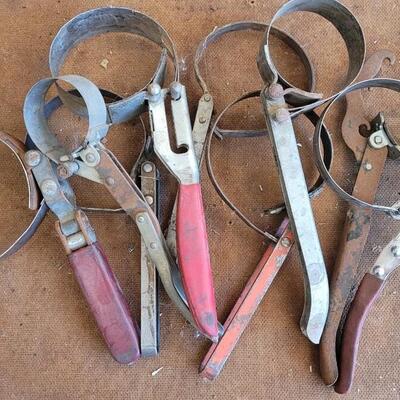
[(194, 259)]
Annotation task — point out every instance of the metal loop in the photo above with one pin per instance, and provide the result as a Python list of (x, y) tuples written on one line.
[(112, 19), (314, 191), (391, 84), (346, 24)]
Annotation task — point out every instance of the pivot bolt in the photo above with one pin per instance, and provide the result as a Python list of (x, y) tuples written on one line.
[(379, 271), (395, 251), (153, 245), (110, 181), (275, 91), (285, 242), (140, 219), (154, 90), (49, 187), (32, 158), (67, 169), (149, 199), (90, 157), (378, 140), (147, 167), (282, 115), (207, 98)]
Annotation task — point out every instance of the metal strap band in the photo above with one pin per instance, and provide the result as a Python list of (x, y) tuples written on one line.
[(313, 191), (391, 84), (346, 24), (258, 27), (112, 19)]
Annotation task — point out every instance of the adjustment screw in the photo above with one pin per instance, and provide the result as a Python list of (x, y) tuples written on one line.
[(285, 242), (282, 115), (149, 199), (378, 140), (147, 167), (368, 166), (153, 245), (175, 90), (202, 120), (32, 158), (49, 187), (140, 219), (110, 181), (379, 271), (207, 98), (395, 251)]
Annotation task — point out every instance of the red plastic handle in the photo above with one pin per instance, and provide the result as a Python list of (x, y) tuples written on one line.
[(367, 293), (194, 259), (107, 303)]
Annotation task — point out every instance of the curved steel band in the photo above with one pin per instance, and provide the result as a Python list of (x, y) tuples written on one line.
[(259, 27), (112, 19), (35, 198), (326, 160), (346, 24), (385, 83), (36, 121)]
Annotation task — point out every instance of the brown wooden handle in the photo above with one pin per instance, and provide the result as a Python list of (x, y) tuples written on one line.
[(106, 301), (368, 291)]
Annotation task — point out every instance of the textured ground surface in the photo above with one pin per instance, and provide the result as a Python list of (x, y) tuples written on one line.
[(49, 346)]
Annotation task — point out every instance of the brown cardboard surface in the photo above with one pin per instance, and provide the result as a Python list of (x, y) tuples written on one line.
[(49, 345)]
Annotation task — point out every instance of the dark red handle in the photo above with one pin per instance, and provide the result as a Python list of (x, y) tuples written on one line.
[(106, 301), (368, 291), (194, 259)]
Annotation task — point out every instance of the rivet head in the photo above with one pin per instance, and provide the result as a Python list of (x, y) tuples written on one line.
[(285, 242), (175, 90), (154, 89), (32, 158), (379, 271), (368, 166), (110, 181), (378, 140), (202, 120), (153, 245), (90, 157), (207, 98), (140, 219), (49, 187), (149, 199), (147, 167), (395, 251), (275, 91)]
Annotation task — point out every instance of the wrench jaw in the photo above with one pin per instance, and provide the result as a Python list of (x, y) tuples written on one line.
[(183, 166), (191, 232)]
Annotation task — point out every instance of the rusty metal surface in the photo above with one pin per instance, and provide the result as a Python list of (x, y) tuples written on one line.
[(44, 322), (357, 224), (249, 300)]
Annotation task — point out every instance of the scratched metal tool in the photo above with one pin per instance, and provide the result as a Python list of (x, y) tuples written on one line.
[(278, 115), (281, 241), (358, 220)]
